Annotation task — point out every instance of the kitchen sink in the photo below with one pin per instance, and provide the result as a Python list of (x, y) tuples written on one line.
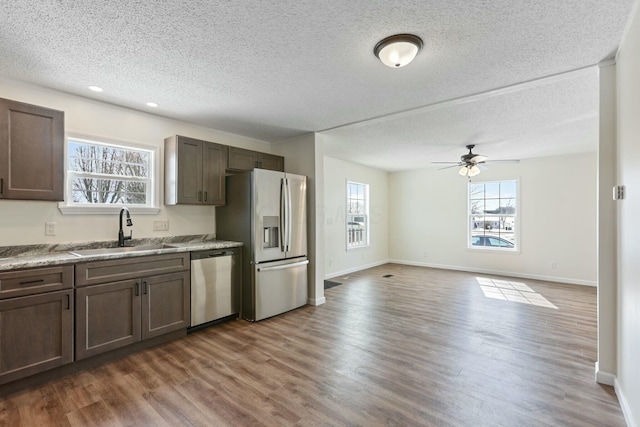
[(118, 250)]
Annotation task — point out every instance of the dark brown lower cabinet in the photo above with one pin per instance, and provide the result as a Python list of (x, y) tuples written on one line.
[(36, 334), (116, 314)]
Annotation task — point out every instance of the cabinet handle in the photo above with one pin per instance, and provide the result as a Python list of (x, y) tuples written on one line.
[(68, 302), (205, 196), (199, 196), (144, 288), (1, 185), (32, 282), (137, 291)]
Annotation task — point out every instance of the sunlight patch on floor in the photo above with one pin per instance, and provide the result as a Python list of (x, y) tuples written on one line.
[(512, 291)]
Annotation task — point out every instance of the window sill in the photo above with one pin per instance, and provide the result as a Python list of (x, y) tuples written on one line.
[(105, 210), (355, 248), (487, 249)]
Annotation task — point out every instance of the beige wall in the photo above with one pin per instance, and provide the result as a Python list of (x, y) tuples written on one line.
[(24, 222), (607, 257), (338, 260), (557, 219), (628, 160)]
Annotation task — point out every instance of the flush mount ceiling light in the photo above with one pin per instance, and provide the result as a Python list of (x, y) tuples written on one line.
[(152, 104), (399, 50), (96, 88)]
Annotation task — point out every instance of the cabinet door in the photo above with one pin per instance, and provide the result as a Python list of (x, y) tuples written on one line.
[(107, 317), (189, 170), (214, 163), (31, 152), (241, 159), (271, 162), (166, 304), (35, 334)]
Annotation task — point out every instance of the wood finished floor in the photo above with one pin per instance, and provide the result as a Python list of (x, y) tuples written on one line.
[(424, 347)]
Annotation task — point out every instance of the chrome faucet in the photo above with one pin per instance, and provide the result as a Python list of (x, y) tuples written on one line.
[(121, 236)]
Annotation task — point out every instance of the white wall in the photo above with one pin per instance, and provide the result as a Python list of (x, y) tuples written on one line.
[(628, 159), (23, 222), (557, 219), (338, 260)]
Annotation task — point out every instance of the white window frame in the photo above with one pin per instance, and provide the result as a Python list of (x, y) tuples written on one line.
[(153, 187), (366, 230), (516, 219)]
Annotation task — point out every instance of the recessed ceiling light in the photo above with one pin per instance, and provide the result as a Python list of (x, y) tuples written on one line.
[(96, 88), (152, 104)]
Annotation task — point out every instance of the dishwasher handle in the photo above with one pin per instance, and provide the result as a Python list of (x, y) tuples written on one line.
[(209, 254)]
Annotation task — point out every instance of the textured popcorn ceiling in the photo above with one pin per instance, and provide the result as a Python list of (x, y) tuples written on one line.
[(274, 70)]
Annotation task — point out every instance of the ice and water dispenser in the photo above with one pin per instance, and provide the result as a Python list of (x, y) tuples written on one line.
[(271, 232)]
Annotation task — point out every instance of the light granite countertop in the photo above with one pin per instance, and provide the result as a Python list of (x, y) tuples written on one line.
[(22, 257)]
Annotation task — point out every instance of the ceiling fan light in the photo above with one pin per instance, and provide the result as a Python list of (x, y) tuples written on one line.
[(474, 170), (398, 50), (463, 171)]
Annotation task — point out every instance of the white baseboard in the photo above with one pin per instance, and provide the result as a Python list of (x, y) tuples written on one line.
[(354, 269), (498, 272), (624, 404), (316, 301), (605, 378)]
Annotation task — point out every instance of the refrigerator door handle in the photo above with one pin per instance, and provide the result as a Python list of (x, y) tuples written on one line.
[(289, 216), (283, 208), (282, 267)]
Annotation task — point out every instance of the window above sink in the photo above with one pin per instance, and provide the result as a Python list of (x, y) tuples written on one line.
[(103, 175)]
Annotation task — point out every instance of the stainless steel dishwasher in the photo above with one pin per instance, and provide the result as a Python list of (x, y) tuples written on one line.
[(214, 286)]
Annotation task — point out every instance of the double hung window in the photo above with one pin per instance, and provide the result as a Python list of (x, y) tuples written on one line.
[(102, 175), (357, 215), (493, 215)]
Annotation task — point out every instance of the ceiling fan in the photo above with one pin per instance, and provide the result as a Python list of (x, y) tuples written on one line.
[(472, 164)]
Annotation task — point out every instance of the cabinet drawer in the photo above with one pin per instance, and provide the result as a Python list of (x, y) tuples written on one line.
[(35, 281), (92, 273)]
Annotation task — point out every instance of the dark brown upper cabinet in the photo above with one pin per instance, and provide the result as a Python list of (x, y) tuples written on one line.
[(245, 160), (194, 171), (31, 152)]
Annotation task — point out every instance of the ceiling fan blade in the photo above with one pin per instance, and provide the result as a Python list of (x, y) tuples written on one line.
[(478, 158), (448, 167), (482, 167), (449, 163), (503, 161)]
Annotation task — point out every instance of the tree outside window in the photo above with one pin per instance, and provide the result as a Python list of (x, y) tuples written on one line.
[(104, 174)]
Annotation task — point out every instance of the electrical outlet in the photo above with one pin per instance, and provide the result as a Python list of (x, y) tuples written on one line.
[(162, 225), (425, 254), (49, 228), (553, 266)]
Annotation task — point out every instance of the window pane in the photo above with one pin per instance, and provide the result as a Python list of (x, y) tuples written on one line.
[(508, 189), (476, 206), (508, 206), (492, 190), (476, 191), (491, 206)]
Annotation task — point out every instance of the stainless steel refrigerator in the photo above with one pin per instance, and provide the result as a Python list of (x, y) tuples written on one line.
[(266, 211)]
